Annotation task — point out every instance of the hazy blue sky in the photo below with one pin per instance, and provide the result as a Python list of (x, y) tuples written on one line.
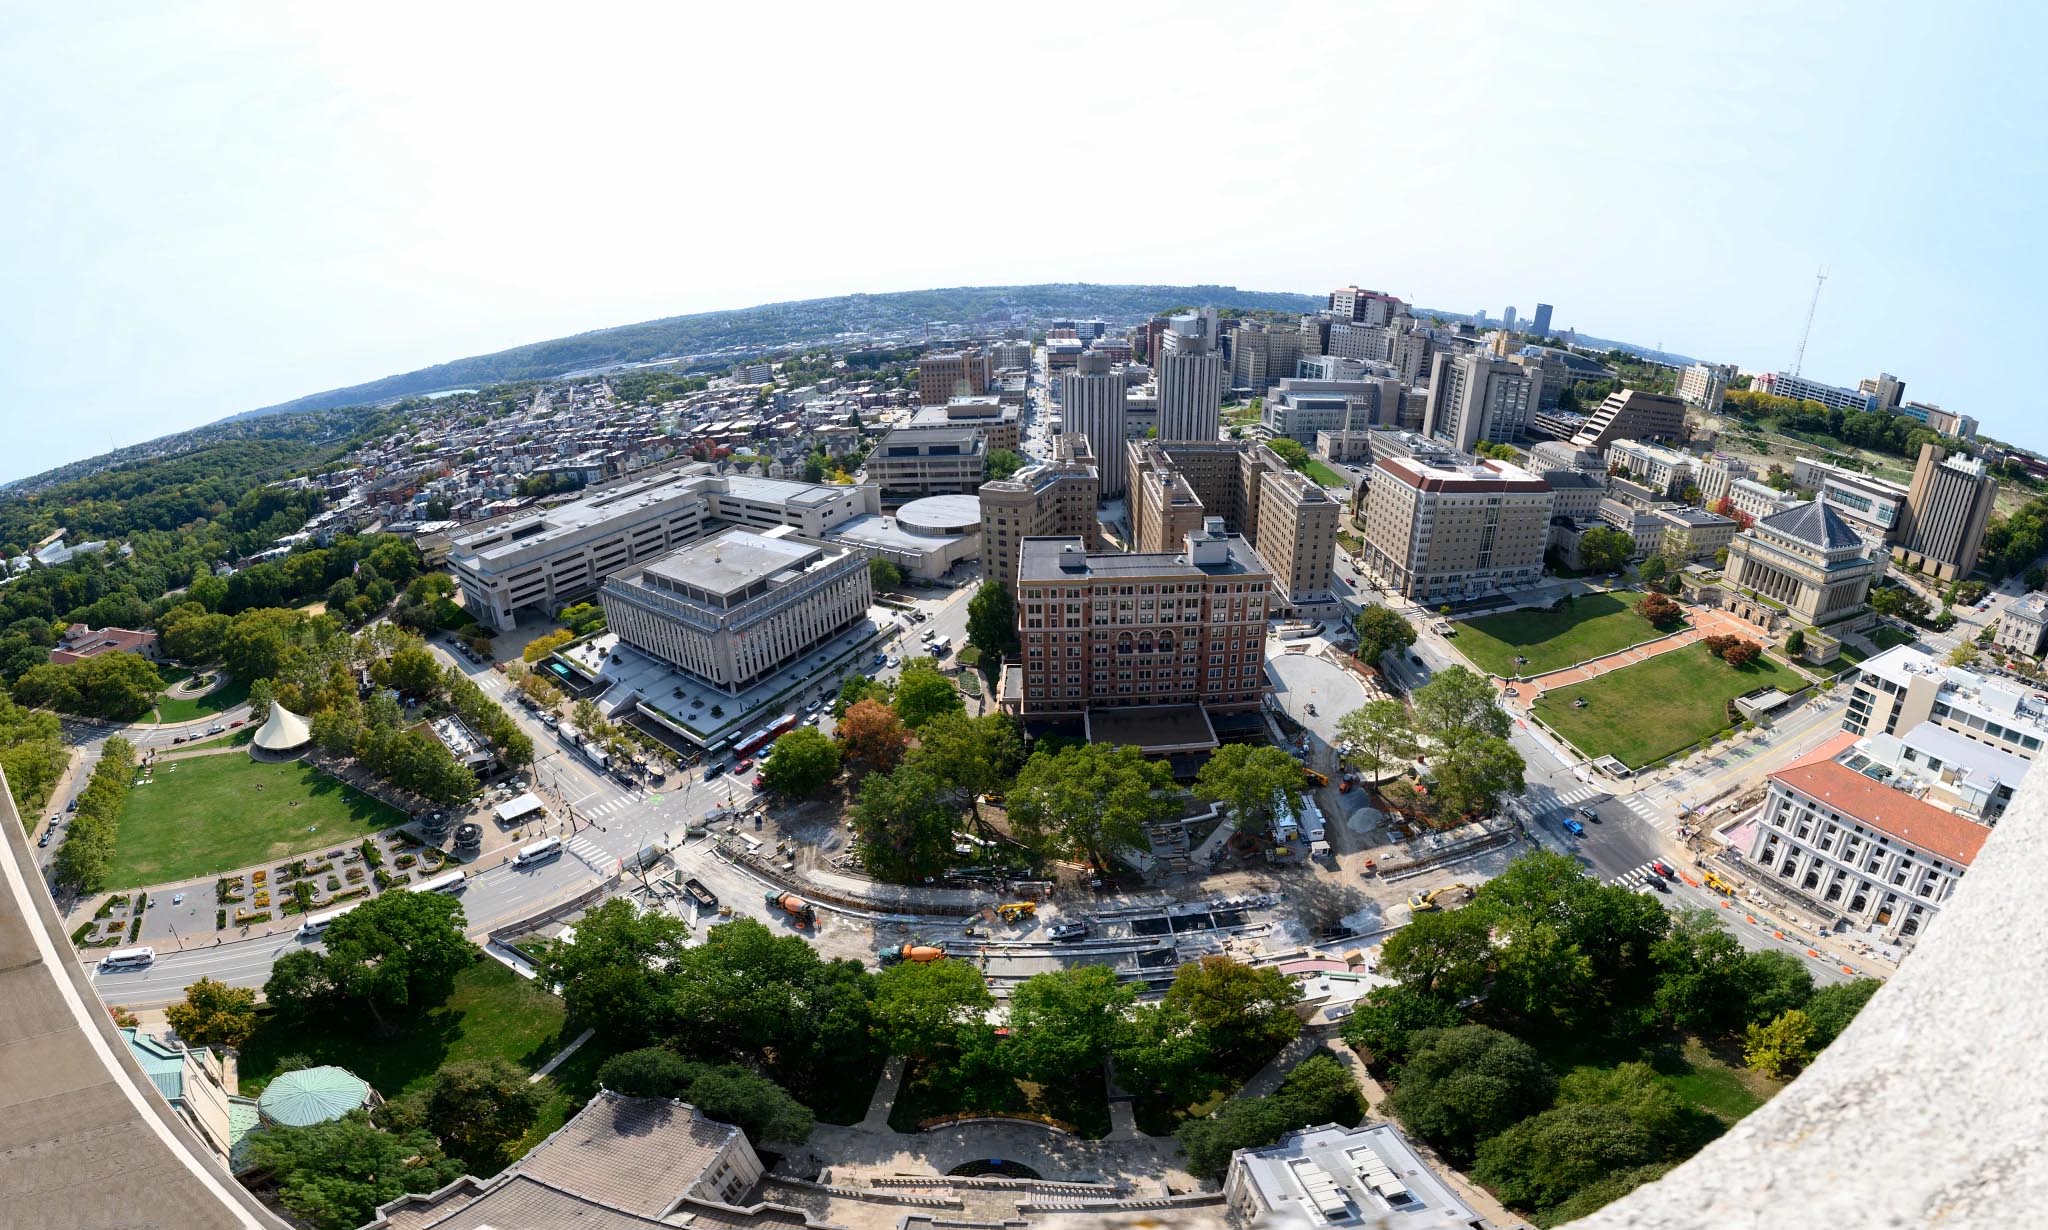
[(210, 208)]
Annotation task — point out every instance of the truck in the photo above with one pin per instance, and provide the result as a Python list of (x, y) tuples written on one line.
[(803, 912), (704, 897), (914, 953)]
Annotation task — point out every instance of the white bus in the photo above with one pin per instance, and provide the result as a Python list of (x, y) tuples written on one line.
[(539, 852), (317, 923), (447, 882), (126, 958)]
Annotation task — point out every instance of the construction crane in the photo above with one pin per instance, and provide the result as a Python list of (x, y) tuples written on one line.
[(1820, 277)]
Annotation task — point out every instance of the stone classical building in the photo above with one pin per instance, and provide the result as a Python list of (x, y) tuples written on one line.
[(1857, 849), (1692, 533), (738, 607), (1440, 532), (1665, 471), (2024, 624), (1808, 560), (1054, 498)]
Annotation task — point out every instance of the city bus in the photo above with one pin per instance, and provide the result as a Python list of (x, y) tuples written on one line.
[(447, 882), (539, 852), (317, 923), (129, 958)]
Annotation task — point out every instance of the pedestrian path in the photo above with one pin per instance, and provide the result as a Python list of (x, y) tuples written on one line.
[(1650, 813)]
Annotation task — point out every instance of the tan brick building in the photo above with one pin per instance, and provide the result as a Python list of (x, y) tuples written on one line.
[(944, 375), (1290, 521), (1445, 532), (1053, 498)]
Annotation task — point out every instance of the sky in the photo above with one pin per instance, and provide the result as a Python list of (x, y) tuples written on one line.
[(215, 207)]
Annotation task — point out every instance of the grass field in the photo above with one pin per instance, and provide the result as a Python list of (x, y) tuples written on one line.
[(212, 814), (1710, 1083), (220, 700), (493, 1013), (1642, 712), (1593, 625), (1322, 474)]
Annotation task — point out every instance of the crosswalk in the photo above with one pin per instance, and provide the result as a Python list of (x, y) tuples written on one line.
[(592, 854), (1644, 809), (1636, 877)]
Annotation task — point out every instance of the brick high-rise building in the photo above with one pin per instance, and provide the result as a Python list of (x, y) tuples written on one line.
[(943, 375), (1259, 356), (1177, 485), (1053, 498), (1368, 307), (1174, 637)]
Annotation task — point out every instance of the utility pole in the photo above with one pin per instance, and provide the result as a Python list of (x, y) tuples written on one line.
[(1820, 277)]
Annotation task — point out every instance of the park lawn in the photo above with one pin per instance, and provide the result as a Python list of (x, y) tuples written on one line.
[(1591, 626), (1082, 1103), (1888, 637), (235, 738), (220, 700), (1322, 474), (1643, 712), (1708, 1082), (212, 814)]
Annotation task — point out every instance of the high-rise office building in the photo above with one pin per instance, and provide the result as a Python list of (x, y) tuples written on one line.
[(1540, 324), (1476, 397), (1885, 390), (1190, 378), (1176, 486), (1366, 307), (1093, 406), (1260, 355), (1947, 507), (1799, 388), (1507, 318), (1438, 532), (1704, 386), (1632, 414)]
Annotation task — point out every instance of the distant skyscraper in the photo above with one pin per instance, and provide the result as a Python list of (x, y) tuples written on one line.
[(1093, 406), (1507, 318), (1886, 392), (1540, 326), (1190, 382)]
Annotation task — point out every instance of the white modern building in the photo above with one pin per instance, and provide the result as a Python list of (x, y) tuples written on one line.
[(1798, 388), (1190, 380), (1094, 401), (737, 607), (1336, 1176), (547, 558), (1905, 686)]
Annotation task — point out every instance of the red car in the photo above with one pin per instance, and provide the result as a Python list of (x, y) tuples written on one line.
[(759, 779), (746, 762), (236, 722), (1663, 868)]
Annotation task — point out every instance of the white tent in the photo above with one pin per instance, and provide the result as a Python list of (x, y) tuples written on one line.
[(284, 731)]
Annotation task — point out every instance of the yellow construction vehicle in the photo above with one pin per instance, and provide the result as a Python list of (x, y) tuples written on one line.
[(1314, 778), (1017, 911), (1717, 884), (1433, 899)]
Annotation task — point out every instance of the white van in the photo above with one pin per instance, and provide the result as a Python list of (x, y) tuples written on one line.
[(539, 852), (129, 958)]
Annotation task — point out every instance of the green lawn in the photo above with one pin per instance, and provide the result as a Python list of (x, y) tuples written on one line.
[(1084, 1104), (1710, 1083), (212, 814), (493, 1013), (1322, 474), (1888, 637), (1593, 625), (1643, 712), (220, 700)]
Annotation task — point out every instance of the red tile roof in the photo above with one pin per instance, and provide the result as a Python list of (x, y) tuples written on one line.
[(1889, 811)]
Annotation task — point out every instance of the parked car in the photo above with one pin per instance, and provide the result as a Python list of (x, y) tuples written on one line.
[(44, 840), (1068, 930), (760, 780)]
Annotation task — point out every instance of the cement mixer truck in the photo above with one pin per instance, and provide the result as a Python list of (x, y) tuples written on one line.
[(916, 954), (801, 911)]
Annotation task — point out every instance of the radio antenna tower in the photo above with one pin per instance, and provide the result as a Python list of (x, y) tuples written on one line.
[(1819, 278)]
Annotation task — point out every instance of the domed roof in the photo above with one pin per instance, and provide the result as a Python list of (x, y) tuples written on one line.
[(313, 1095), (284, 730)]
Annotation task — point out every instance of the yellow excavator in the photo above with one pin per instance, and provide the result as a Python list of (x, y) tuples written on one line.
[(1433, 899), (1017, 911)]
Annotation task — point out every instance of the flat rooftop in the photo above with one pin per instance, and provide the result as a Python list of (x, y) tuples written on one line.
[(1365, 1176), (731, 561), (594, 509), (1153, 728), (1044, 559)]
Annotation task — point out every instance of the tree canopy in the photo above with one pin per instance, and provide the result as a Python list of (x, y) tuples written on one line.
[(804, 761), (1089, 801)]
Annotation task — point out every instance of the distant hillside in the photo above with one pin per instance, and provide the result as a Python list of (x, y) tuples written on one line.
[(782, 324)]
